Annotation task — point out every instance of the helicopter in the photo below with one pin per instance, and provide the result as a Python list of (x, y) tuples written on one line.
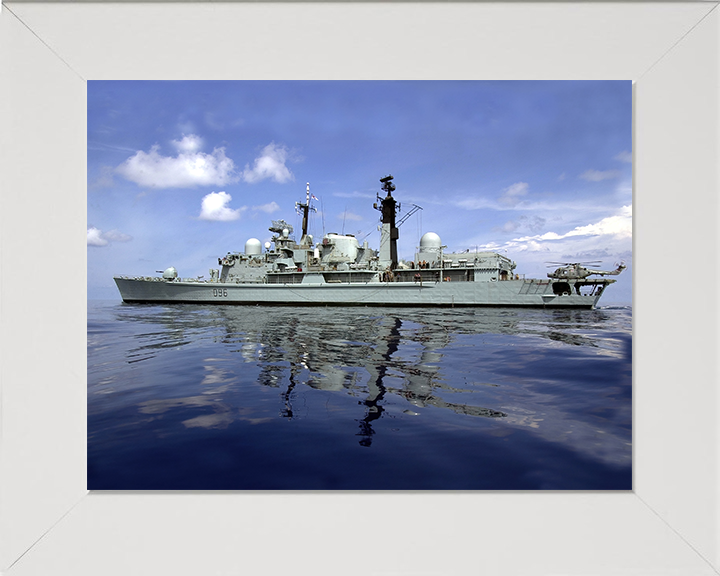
[(579, 270)]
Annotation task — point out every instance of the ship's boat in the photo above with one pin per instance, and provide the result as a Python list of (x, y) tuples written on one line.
[(340, 271)]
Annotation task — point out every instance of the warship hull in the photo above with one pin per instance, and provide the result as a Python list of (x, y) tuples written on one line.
[(508, 293), (340, 271)]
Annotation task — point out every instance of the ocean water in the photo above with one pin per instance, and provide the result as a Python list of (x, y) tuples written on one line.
[(189, 397)]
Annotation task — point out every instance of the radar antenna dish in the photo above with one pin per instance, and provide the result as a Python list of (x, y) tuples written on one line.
[(279, 225)]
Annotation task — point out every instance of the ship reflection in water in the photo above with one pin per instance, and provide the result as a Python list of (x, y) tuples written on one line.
[(241, 397)]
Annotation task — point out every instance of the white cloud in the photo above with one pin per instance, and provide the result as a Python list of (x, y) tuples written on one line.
[(619, 226), (190, 143), (189, 168), (269, 208), (270, 164), (96, 237), (612, 233), (624, 156), (533, 246), (512, 195), (215, 207), (598, 175)]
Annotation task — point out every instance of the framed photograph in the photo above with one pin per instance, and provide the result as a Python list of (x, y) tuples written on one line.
[(322, 335), (52, 57)]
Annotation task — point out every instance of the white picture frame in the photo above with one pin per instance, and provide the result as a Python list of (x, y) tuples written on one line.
[(668, 524)]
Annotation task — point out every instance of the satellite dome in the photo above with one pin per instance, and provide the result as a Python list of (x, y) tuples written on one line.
[(253, 247), (430, 242)]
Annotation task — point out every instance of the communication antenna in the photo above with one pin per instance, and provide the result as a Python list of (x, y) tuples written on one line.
[(303, 210), (322, 210)]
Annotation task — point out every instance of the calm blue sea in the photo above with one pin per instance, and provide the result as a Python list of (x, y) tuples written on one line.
[(184, 397)]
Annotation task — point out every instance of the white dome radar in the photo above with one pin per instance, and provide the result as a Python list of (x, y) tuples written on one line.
[(430, 242), (253, 247)]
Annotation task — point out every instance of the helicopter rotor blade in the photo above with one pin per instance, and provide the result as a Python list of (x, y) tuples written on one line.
[(593, 263)]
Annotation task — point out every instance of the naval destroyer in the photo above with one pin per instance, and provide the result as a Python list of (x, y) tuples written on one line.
[(340, 271)]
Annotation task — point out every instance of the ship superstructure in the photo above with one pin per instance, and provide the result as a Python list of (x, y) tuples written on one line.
[(339, 270)]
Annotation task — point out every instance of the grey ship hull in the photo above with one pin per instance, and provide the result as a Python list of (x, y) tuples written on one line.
[(508, 293)]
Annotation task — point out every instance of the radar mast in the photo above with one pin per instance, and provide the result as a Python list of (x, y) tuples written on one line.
[(389, 232), (303, 210)]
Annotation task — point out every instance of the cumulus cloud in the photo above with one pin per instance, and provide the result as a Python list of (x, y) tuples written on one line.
[(269, 208), (96, 237), (189, 168), (619, 225), (612, 233), (533, 246), (599, 175), (270, 164), (190, 143), (215, 207), (512, 195)]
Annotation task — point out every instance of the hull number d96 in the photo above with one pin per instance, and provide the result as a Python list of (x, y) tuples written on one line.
[(220, 292)]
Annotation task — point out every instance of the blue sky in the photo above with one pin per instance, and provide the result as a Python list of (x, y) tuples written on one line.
[(180, 173)]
